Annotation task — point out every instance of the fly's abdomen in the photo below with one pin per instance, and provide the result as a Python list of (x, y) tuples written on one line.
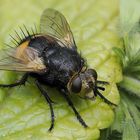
[(61, 62)]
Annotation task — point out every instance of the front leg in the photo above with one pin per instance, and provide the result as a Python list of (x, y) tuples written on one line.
[(43, 91), (82, 122), (20, 82)]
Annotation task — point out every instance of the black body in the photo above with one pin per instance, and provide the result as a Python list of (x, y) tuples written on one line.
[(61, 62)]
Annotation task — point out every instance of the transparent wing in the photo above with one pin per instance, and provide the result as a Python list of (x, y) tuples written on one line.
[(21, 59), (53, 23)]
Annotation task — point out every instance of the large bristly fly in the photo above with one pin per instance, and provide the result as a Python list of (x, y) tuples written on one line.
[(51, 57)]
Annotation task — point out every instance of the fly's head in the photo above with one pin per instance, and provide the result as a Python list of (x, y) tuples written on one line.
[(85, 84)]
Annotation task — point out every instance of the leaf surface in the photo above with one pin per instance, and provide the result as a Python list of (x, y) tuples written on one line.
[(24, 112)]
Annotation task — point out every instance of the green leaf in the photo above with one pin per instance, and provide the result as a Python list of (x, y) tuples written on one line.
[(130, 32), (131, 85), (24, 112), (130, 130), (127, 114)]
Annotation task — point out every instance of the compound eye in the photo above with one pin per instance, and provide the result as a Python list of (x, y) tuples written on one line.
[(93, 73), (76, 85)]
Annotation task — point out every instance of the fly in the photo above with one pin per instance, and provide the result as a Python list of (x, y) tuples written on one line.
[(52, 59)]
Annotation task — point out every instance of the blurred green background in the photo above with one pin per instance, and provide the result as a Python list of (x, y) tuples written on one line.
[(24, 113)]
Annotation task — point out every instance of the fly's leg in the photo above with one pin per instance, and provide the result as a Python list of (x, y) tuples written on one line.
[(102, 88), (105, 99), (102, 82), (20, 82), (82, 122), (43, 91)]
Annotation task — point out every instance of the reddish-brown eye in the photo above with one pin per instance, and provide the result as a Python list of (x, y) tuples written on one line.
[(76, 85)]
